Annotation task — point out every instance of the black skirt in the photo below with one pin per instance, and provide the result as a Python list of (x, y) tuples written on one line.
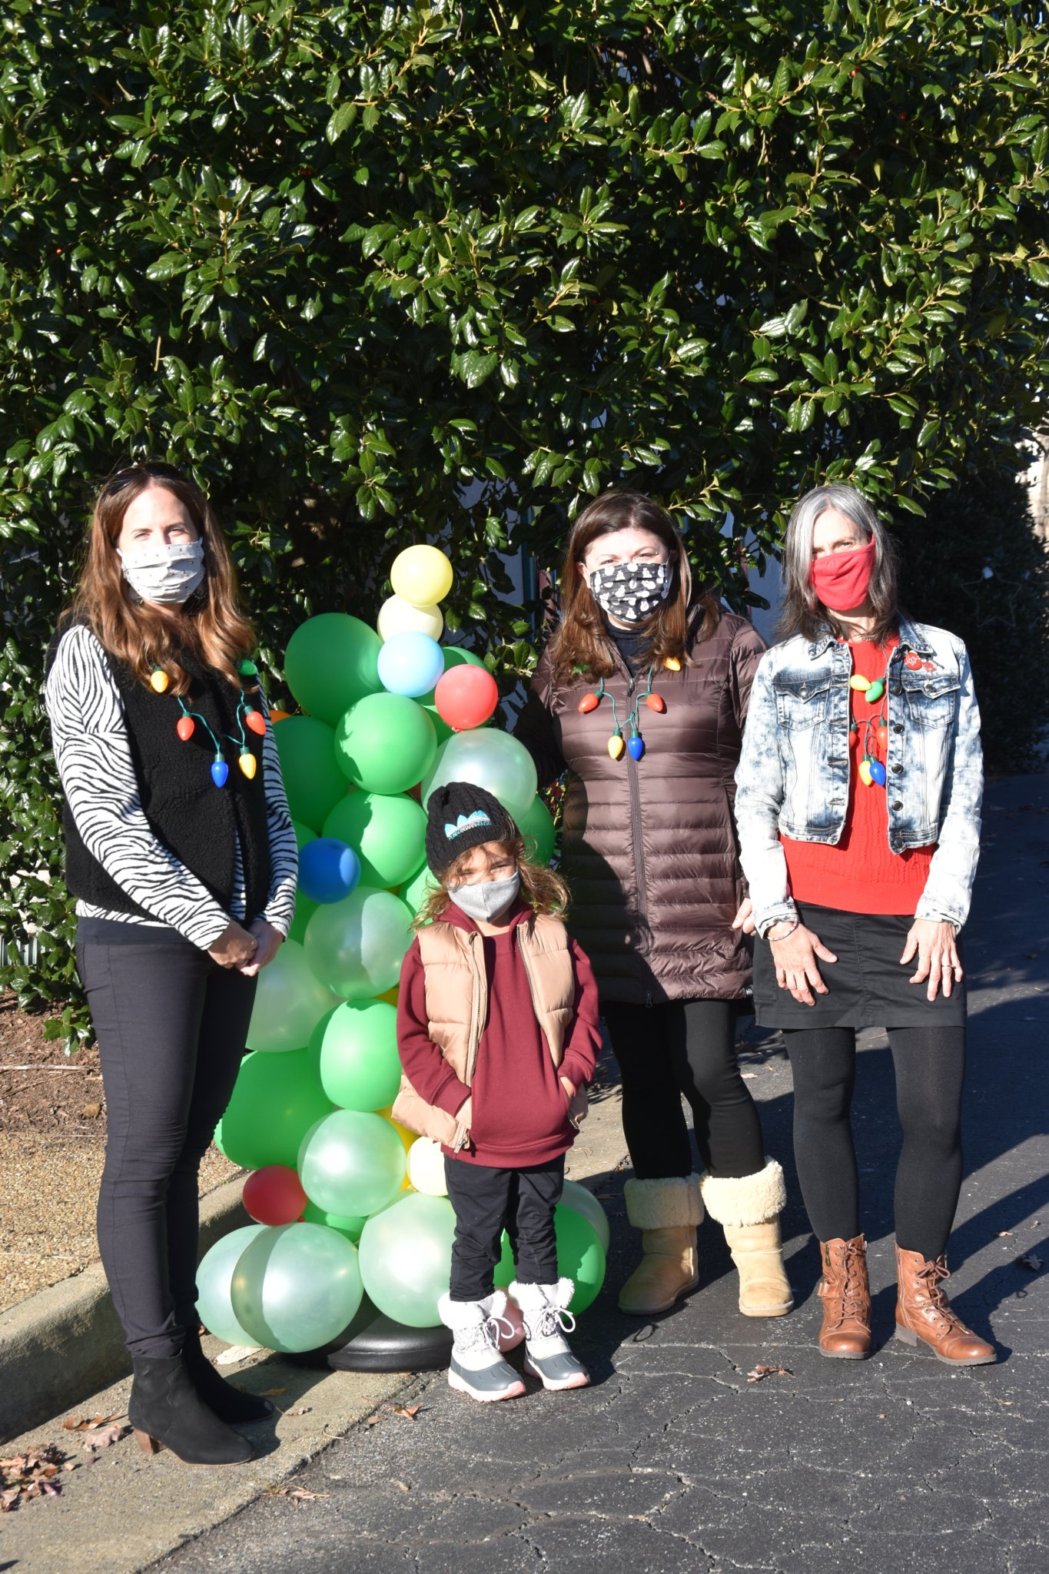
[(867, 987)]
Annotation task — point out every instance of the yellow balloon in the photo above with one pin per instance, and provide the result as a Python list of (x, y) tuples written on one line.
[(397, 616), (421, 575)]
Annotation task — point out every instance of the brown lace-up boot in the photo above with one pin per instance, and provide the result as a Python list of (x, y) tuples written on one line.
[(845, 1293), (923, 1312)]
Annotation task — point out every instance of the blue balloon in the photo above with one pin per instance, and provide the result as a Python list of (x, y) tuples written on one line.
[(410, 663), (328, 869)]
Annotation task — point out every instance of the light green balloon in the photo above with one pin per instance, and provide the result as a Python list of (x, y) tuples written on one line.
[(537, 827), (352, 1163), (388, 834), (289, 1002), (312, 778), (583, 1202), (359, 1064), (296, 1286), (275, 1101), (331, 662), (214, 1281), (419, 888), (580, 1255), (356, 946), (406, 1258), (346, 1224), (304, 911), (488, 759), (385, 743)]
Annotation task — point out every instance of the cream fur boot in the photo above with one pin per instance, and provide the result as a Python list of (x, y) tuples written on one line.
[(666, 1212), (748, 1210)]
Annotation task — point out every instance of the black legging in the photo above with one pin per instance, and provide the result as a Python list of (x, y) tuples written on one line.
[(171, 1026), (684, 1047), (929, 1064)]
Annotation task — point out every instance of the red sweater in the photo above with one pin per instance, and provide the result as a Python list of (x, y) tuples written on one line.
[(520, 1110), (860, 874)]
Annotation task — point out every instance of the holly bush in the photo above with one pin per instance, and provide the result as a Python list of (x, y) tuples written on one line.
[(383, 273)]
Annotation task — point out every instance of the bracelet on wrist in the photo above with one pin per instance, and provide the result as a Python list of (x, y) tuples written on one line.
[(786, 936)]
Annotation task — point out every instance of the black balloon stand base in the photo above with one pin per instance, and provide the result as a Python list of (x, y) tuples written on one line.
[(374, 1343)]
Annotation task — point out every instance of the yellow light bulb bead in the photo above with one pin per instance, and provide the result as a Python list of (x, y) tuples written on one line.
[(159, 681), (861, 685), (616, 746), (248, 765), (865, 773), (672, 664)]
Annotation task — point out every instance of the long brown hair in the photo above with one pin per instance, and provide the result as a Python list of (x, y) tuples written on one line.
[(803, 612), (544, 891), (209, 627), (581, 638)]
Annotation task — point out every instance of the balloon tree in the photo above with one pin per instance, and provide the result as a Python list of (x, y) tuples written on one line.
[(353, 1227)]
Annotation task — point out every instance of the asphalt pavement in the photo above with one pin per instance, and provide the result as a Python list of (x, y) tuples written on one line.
[(685, 1453)]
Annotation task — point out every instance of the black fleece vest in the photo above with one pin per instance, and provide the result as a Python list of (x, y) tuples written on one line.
[(197, 821)]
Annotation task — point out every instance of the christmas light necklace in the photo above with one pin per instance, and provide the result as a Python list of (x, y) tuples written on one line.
[(635, 744), (872, 771), (246, 716)]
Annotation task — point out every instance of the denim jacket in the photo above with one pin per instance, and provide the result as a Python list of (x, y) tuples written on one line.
[(793, 773)]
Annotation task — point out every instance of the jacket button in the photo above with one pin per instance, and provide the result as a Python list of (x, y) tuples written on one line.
[(897, 804), (897, 726), (897, 770)]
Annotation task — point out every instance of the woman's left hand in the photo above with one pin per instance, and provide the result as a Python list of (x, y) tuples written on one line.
[(269, 940), (934, 944), (744, 919)]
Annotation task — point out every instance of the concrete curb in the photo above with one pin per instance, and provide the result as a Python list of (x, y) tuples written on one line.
[(64, 1344)]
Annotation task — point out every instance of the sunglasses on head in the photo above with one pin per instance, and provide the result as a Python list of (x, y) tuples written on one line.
[(124, 477)]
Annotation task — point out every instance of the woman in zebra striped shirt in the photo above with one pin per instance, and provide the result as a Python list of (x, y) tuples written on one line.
[(181, 855)]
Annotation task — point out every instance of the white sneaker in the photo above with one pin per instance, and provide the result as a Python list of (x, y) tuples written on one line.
[(544, 1310), (476, 1366)]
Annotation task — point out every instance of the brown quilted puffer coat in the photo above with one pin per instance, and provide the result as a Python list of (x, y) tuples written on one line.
[(649, 848)]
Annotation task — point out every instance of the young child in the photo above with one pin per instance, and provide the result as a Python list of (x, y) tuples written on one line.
[(498, 1035)]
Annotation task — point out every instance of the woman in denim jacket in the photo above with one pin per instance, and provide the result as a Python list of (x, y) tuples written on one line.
[(858, 806)]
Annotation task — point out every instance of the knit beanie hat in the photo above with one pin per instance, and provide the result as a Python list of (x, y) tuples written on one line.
[(461, 816)]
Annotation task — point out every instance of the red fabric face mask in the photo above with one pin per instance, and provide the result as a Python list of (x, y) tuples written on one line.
[(842, 579)]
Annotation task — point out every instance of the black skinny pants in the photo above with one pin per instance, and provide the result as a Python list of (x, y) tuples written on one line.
[(171, 1026), (930, 1065), (684, 1047), (486, 1201)]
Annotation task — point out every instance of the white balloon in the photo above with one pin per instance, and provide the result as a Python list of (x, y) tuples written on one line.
[(426, 1167), (397, 616)]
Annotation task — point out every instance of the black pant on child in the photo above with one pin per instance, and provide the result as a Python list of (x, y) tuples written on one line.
[(929, 1065), (171, 1026), (486, 1201), (684, 1047)]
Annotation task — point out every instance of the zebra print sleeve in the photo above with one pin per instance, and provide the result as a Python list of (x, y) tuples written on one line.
[(98, 778), (284, 848)]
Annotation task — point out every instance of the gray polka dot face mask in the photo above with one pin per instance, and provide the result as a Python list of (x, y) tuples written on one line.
[(630, 591)]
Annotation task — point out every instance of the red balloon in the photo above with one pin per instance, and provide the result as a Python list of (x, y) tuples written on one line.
[(465, 697), (274, 1195)]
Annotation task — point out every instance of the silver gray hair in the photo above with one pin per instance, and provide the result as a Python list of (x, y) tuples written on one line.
[(803, 612)]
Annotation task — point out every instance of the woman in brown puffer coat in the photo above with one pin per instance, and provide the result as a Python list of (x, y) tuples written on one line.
[(640, 697)]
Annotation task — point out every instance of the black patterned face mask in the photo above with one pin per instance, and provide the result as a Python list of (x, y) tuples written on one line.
[(630, 592)]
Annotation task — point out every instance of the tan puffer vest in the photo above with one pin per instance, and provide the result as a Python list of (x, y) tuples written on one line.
[(649, 849), (457, 1007)]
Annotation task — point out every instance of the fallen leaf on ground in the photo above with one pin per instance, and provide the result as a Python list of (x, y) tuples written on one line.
[(300, 1410), (109, 1435), (91, 1111), (1030, 1261), (759, 1374), (29, 1475), (77, 1423), (406, 1412), (297, 1494)]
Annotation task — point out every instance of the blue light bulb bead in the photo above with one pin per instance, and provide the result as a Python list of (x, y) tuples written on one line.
[(877, 770), (219, 771), (635, 746)]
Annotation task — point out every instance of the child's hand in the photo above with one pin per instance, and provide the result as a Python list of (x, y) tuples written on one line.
[(463, 1118), (568, 1087)]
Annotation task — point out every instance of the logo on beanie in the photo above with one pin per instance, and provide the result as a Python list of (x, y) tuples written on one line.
[(467, 822)]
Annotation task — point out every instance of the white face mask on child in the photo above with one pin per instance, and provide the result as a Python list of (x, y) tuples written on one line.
[(489, 898)]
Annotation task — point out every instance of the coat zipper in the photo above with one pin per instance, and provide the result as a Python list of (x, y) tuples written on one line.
[(476, 1010), (635, 824)]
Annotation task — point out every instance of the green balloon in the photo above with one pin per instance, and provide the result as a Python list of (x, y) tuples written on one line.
[(441, 728), (214, 1281), (580, 1256), (537, 827), (296, 1286), (289, 1002), (359, 1064), (346, 1224), (331, 662), (385, 743), (583, 1202), (275, 1101), (419, 888), (351, 1162), (303, 834), (387, 833), (304, 911), (406, 1258), (356, 946), (312, 779)]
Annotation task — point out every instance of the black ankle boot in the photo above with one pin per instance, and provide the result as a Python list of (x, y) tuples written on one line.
[(165, 1409), (228, 1403)]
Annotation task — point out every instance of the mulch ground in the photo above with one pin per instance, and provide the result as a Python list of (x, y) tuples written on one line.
[(52, 1137)]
